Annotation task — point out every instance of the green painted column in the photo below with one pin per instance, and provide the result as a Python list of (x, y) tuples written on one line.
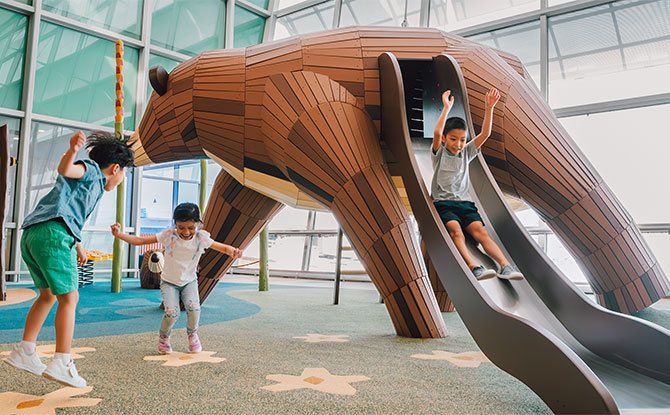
[(117, 260), (263, 269), (203, 186)]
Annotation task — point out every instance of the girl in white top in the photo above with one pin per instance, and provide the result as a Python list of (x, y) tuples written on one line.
[(184, 244)]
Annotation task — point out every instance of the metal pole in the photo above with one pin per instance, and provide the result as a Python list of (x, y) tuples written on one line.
[(117, 258), (23, 181), (307, 247), (229, 30), (263, 271), (338, 267), (337, 13), (544, 57), (203, 186), (424, 14)]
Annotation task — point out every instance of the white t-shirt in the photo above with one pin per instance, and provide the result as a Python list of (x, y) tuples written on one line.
[(182, 256)]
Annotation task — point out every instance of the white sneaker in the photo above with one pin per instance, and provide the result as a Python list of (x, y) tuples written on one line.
[(24, 361), (65, 374)]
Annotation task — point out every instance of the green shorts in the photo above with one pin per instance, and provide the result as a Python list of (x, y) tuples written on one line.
[(48, 250)]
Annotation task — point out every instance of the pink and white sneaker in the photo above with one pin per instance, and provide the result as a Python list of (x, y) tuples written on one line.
[(194, 343), (164, 344)]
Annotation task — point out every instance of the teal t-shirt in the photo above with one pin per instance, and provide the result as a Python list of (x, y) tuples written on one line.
[(72, 200)]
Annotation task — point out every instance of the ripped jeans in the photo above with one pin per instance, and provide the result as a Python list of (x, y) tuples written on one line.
[(190, 298)]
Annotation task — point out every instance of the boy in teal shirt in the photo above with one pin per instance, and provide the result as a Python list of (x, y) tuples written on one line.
[(50, 248)]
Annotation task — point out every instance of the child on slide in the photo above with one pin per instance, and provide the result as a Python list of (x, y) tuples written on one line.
[(450, 187), (184, 244)]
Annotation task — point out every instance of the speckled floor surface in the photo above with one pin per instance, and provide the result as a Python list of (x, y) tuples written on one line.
[(383, 376)]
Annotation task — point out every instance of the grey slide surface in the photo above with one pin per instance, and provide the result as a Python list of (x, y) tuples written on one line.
[(577, 356)]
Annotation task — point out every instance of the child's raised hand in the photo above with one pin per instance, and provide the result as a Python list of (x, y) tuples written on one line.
[(116, 229), (448, 103), (77, 141), (492, 97)]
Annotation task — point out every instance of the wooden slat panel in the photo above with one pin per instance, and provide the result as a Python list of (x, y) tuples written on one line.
[(230, 219), (318, 123)]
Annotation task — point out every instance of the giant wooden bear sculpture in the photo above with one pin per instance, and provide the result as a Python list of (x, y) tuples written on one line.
[(297, 122)]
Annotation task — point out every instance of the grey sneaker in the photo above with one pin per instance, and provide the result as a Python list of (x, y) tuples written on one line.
[(510, 273), (24, 361), (65, 374), (482, 273)]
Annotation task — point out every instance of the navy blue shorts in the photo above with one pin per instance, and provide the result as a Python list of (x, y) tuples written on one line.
[(464, 212)]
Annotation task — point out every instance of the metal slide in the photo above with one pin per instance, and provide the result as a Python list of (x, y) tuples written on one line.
[(576, 356)]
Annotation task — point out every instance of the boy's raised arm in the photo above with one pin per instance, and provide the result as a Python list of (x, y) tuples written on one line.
[(132, 239), (66, 167), (439, 127), (491, 100)]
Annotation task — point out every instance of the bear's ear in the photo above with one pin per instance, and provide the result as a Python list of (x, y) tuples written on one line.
[(158, 77)]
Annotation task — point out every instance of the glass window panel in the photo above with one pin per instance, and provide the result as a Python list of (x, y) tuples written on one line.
[(562, 258), (161, 170), (457, 14), (248, 28), (313, 19), (155, 60), (75, 77), (13, 131), (379, 12), (289, 218), (121, 16), (13, 33), (325, 220), (162, 190), (522, 41), (324, 256), (48, 143), (629, 138), (189, 27), (285, 252), (188, 192), (606, 53), (282, 4), (188, 171), (260, 3), (528, 218), (156, 201), (213, 170)]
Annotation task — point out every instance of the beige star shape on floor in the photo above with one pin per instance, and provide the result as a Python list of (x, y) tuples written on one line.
[(48, 350), (19, 403), (18, 295), (316, 378), (465, 359), (318, 338), (183, 359)]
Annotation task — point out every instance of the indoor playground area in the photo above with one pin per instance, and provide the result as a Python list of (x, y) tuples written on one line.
[(334, 207)]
